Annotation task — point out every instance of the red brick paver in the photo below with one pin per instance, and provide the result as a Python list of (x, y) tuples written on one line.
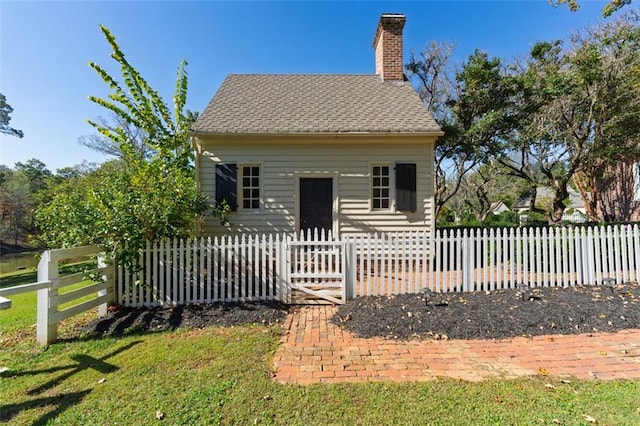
[(314, 350)]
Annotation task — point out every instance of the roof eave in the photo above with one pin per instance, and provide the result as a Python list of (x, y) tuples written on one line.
[(431, 133)]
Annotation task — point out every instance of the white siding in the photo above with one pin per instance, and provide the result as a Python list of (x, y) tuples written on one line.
[(348, 162)]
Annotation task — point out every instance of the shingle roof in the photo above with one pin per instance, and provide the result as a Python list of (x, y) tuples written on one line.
[(308, 103)]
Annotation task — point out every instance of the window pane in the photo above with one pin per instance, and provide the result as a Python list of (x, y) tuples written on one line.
[(376, 181), (385, 193), (376, 203), (255, 171), (376, 193), (246, 204), (385, 203), (385, 181), (255, 193), (255, 182), (246, 181), (255, 204), (246, 193), (385, 170)]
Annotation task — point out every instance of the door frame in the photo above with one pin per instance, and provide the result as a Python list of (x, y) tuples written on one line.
[(335, 224)]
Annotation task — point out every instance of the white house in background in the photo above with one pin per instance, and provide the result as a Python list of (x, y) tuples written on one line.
[(574, 212), (346, 153), (498, 207)]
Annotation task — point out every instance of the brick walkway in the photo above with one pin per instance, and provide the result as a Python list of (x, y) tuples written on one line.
[(313, 350)]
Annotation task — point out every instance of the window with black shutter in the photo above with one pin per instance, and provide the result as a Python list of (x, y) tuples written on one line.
[(406, 187), (227, 184), (380, 193)]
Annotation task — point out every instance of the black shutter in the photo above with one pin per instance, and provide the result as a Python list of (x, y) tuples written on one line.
[(405, 187), (227, 184)]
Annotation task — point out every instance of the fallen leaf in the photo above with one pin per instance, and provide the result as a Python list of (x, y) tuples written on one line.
[(102, 380), (557, 421), (159, 415), (498, 399), (566, 382), (3, 369), (549, 386), (589, 418), (603, 353), (543, 371)]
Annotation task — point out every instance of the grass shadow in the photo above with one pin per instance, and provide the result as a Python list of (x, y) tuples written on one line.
[(62, 402), (82, 362)]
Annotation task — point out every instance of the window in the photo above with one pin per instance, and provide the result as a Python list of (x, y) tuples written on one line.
[(380, 186), (250, 187), (226, 185)]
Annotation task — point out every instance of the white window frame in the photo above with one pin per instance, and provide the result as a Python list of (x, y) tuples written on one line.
[(389, 187), (241, 187)]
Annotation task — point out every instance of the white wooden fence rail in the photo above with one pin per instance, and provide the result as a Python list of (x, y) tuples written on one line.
[(55, 304), (261, 267)]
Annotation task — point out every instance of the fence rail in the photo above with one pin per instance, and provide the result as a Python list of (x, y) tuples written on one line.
[(52, 305), (265, 267)]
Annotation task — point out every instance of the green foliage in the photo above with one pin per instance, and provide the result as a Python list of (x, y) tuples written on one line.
[(136, 103), (120, 207), (609, 9), (5, 112), (504, 219), (221, 211), (139, 197)]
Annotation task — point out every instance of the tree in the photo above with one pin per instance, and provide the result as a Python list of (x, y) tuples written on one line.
[(585, 108), (610, 8), (16, 203), (138, 197), (471, 105), (604, 58), (106, 145), (36, 172), (5, 111)]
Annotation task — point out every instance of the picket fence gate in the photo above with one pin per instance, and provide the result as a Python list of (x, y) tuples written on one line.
[(315, 267)]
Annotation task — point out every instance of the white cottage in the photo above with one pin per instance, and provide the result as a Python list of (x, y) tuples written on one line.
[(346, 153)]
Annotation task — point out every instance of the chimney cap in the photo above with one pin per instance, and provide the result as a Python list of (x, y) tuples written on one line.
[(388, 18)]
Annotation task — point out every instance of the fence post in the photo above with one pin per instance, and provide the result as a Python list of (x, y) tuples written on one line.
[(102, 263), (467, 261), (350, 269), (46, 329), (283, 255)]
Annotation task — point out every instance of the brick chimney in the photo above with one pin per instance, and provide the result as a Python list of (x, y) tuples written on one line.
[(388, 46)]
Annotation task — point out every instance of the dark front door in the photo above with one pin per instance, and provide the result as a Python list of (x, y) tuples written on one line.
[(316, 203)]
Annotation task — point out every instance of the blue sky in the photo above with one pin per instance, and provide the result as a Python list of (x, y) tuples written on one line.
[(46, 46)]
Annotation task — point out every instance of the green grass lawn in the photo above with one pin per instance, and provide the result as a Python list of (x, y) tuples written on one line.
[(222, 376)]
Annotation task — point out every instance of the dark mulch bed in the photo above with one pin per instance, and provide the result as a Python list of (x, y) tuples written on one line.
[(143, 320), (499, 314)]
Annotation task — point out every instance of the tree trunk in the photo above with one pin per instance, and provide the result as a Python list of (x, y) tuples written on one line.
[(558, 206)]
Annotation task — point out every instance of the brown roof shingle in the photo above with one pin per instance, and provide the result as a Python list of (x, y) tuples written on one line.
[(314, 103)]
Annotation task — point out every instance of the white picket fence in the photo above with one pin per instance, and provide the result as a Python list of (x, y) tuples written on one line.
[(272, 267)]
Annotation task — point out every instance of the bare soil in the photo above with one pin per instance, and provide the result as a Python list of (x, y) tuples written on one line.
[(494, 315)]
